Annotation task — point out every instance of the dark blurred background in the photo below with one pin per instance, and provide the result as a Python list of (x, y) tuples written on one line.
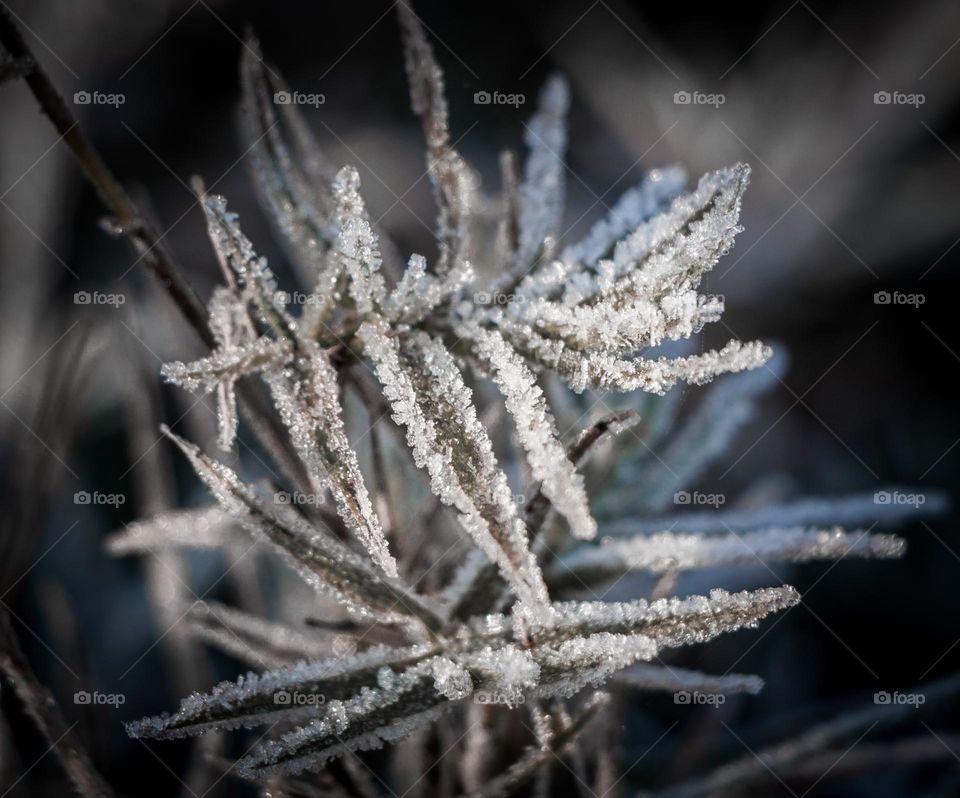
[(849, 197)]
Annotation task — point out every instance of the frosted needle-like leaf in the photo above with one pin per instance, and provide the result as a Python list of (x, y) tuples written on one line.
[(536, 431)]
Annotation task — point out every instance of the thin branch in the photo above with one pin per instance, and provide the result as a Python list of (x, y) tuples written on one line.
[(42, 709)]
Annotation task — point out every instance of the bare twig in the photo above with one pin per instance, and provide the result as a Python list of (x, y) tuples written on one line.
[(44, 712)]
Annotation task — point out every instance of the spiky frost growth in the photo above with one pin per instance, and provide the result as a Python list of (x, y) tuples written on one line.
[(492, 627)]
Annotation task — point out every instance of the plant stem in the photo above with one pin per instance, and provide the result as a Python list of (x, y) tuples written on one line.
[(40, 706), (130, 223)]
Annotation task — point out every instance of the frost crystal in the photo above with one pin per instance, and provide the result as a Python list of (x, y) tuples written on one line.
[(493, 622)]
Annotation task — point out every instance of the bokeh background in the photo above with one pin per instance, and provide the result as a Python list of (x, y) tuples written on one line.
[(849, 198)]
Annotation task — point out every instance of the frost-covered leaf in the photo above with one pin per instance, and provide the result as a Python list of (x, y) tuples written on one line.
[(727, 405), (205, 528), (665, 552), (453, 180), (890, 506), (667, 678), (298, 691), (429, 398), (238, 257), (323, 561), (611, 373), (307, 395), (669, 622), (357, 246), (635, 206), (254, 641), (541, 192), (418, 293), (238, 352), (301, 208), (536, 431), (396, 705), (476, 586)]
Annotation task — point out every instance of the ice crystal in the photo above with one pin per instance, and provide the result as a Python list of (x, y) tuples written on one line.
[(494, 627)]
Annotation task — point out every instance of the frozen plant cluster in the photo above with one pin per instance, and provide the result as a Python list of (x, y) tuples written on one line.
[(410, 344)]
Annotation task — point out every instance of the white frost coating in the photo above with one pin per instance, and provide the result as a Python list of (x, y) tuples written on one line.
[(541, 193), (239, 352), (252, 699), (673, 621), (300, 209), (857, 508), (608, 372), (236, 253), (206, 528), (508, 669), (676, 248), (323, 562), (417, 293), (669, 679), (310, 408), (537, 432), (634, 207), (451, 679), (252, 639), (677, 551), (350, 724), (454, 182), (590, 660), (590, 317), (728, 405), (438, 415), (357, 244)]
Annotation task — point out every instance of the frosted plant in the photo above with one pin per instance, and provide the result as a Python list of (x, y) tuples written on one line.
[(500, 309)]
